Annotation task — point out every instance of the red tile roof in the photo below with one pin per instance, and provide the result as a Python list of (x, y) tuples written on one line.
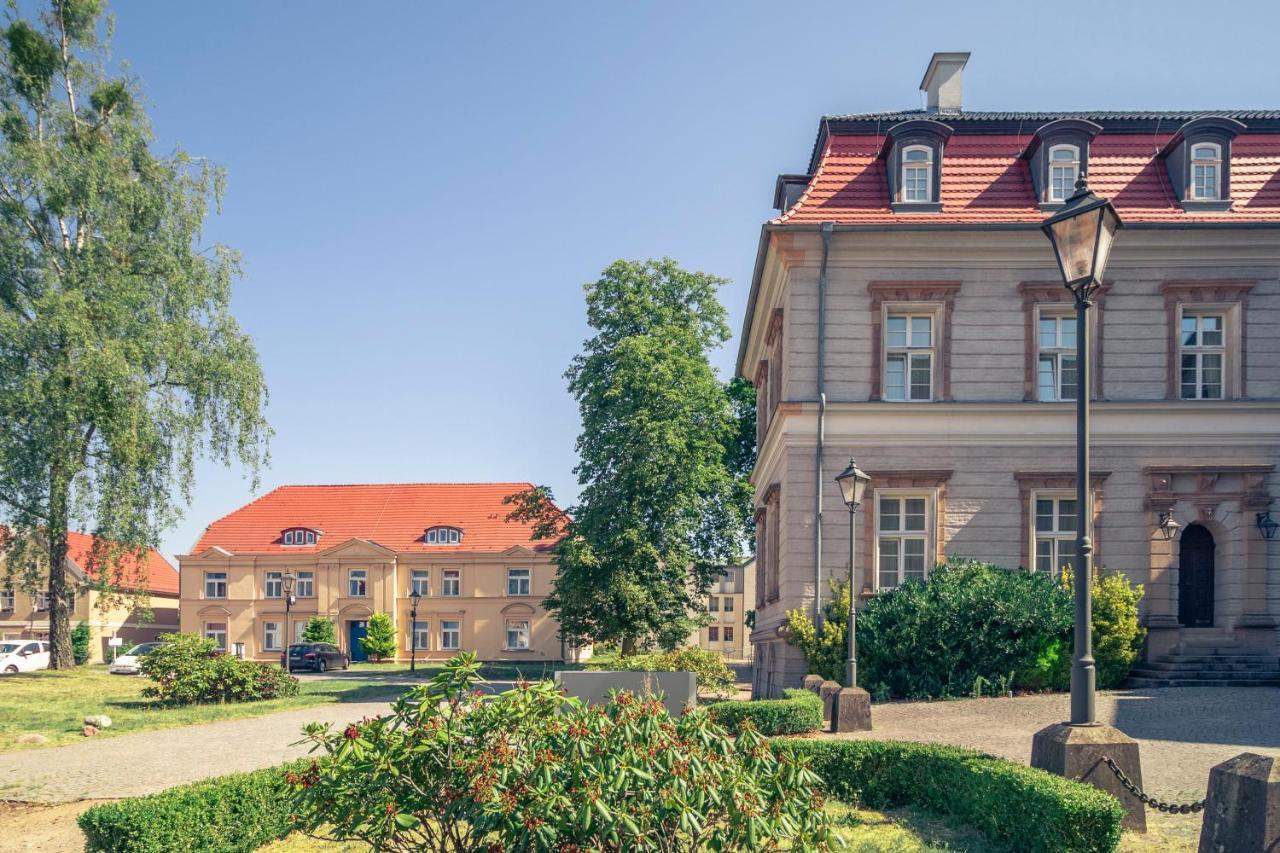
[(160, 575), (985, 181), (394, 516)]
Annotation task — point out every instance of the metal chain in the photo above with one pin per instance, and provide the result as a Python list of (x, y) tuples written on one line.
[(1158, 805)]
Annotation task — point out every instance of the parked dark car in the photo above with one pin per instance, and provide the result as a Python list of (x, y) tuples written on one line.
[(316, 656)]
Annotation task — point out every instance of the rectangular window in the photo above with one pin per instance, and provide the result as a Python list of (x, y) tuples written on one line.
[(517, 634), (304, 586), (1055, 533), (1202, 340), (215, 584), (271, 636), (421, 635), (908, 367), (299, 628), (713, 634), (902, 539), (713, 604), (7, 601), (1056, 342), (518, 582), (728, 633), (357, 583), (42, 601), (216, 631), (728, 604), (451, 583), (450, 635), (420, 582), (274, 585)]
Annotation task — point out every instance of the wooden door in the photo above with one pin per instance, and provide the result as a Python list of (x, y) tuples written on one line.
[(1195, 578)]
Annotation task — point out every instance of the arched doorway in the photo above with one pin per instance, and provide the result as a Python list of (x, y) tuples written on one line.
[(1195, 577)]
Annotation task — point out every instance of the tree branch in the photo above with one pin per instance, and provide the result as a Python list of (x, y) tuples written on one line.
[(21, 507)]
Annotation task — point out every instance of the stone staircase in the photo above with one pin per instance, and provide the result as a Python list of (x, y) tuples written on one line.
[(1211, 661)]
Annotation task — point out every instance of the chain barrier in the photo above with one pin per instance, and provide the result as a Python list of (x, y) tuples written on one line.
[(1158, 805)]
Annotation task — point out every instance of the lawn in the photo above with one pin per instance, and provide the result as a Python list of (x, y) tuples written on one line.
[(54, 704)]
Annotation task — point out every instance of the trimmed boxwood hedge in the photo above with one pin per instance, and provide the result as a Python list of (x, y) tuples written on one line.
[(229, 814), (799, 712), (1015, 806)]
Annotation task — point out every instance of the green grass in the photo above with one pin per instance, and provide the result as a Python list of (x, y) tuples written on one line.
[(54, 704)]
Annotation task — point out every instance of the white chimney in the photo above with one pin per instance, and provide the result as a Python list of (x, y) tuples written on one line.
[(944, 81)]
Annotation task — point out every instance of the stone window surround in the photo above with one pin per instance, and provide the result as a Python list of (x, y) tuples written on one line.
[(931, 481), (1039, 293), (1228, 296), (940, 296), (768, 379), (1032, 482), (762, 552), (772, 518)]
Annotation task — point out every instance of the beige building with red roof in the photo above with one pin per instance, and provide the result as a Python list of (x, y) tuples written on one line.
[(906, 310), (143, 605), (354, 550)]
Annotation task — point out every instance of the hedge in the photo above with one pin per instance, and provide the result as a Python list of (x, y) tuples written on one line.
[(1015, 806), (799, 712), (229, 814)]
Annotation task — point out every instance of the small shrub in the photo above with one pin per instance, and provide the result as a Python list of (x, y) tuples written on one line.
[(229, 814), (320, 630), (1117, 633), (826, 651), (1018, 807), (379, 641), (80, 643), (186, 670), (713, 675), (799, 712), (532, 769)]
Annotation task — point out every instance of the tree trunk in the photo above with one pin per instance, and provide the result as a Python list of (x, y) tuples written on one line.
[(60, 652), (628, 646)]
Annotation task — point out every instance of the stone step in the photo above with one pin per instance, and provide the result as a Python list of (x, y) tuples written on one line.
[(1263, 664), (1140, 681), (1205, 675), (1220, 649)]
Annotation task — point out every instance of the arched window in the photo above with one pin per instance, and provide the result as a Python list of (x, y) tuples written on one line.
[(917, 173), (299, 536), (443, 536), (1064, 169), (1206, 166)]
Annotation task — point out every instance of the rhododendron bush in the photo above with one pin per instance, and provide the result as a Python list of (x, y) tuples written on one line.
[(451, 769)]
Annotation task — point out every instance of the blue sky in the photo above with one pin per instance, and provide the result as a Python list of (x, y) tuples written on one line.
[(420, 190)]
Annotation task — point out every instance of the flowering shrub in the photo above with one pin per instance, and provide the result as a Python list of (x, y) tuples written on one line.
[(532, 769), (185, 670)]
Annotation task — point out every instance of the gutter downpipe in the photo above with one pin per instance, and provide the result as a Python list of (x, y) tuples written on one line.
[(827, 228)]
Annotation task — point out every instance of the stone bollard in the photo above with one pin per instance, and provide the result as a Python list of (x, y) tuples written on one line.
[(828, 693), (1076, 752), (1242, 814), (851, 710), (812, 683)]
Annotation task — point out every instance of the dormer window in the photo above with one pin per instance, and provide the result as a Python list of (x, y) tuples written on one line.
[(1206, 166), (1064, 169), (912, 152), (299, 536), (443, 536), (1058, 154), (1198, 158), (917, 173)]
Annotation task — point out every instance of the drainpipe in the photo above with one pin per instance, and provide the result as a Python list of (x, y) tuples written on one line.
[(827, 228)]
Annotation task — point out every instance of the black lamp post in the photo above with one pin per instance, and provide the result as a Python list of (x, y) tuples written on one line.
[(287, 581), (1267, 525), (1082, 233), (853, 483), (414, 597)]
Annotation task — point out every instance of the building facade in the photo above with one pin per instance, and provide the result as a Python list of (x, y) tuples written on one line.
[(354, 550), (149, 609), (731, 597), (906, 311)]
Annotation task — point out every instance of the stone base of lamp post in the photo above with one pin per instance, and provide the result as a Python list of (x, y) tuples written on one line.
[(1076, 752), (851, 710), (813, 683)]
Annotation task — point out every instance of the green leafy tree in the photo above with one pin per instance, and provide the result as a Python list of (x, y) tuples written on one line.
[(380, 639), (80, 643), (319, 630), (659, 513), (120, 363), (740, 452)]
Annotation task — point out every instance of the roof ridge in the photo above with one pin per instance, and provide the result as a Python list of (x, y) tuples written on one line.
[(393, 485)]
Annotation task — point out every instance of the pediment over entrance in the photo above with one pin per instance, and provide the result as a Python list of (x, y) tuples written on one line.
[(357, 548)]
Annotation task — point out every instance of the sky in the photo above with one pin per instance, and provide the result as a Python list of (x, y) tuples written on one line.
[(420, 190)]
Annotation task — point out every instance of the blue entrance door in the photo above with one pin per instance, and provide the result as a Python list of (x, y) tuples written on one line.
[(357, 631)]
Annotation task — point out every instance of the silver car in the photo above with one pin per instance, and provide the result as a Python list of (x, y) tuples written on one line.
[(130, 663)]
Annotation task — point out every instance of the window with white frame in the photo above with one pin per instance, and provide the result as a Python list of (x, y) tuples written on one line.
[(273, 585), (299, 628), (917, 173), (908, 364), (713, 634), (518, 582), (7, 600), (299, 536), (216, 631), (1202, 342), (713, 604), (902, 538), (304, 585), (451, 583), (728, 633), (517, 634), (1056, 358), (450, 635), (42, 601), (215, 584), (420, 582), (1064, 169), (1206, 168), (728, 604), (421, 637), (357, 583), (271, 636), (443, 536), (1055, 533)]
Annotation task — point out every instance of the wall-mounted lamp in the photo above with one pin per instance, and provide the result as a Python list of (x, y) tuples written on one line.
[(1167, 526), (1267, 525)]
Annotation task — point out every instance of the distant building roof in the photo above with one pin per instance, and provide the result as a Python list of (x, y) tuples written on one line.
[(158, 574)]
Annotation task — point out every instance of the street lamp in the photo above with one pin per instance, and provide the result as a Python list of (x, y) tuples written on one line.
[(415, 595), (287, 580), (1267, 525), (1168, 526), (853, 483)]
